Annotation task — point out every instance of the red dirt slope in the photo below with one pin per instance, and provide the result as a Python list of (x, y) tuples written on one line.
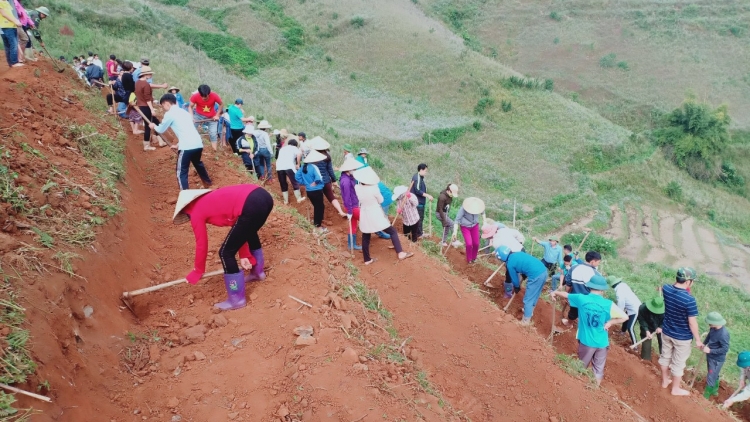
[(179, 361)]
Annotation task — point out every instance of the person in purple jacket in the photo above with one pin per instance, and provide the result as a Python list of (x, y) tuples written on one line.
[(351, 202)]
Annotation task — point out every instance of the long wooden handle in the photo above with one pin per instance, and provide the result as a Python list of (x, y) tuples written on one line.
[(700, 361), (25, 393), (401, 204), (580, 245), (637, 344), (493, 274), (167, 284)]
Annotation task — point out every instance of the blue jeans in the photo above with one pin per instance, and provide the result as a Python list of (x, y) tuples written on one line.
[(10, 42), (533, 291), (263, 162), (212, 126)]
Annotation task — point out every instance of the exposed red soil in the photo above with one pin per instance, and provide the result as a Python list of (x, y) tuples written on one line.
[(483, 365)]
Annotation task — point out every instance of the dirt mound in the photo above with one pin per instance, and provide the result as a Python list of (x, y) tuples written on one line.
[(391, 341)]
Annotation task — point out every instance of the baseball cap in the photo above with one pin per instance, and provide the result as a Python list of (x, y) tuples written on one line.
[(686, 273), (239, 101)]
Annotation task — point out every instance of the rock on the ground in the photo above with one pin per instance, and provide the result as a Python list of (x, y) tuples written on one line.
[(360, 367), (199, 355), (303, 341), (283, 411), (195, 334), (190, 321), (350, 356), (304, 330), (173, 402), (219, 320)]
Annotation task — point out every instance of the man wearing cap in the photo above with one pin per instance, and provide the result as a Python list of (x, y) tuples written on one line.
[(553, 254), (628, 302), (245, 209), (650, 319), (263, 157), (518, 264), (444, 202), (679, 329), (597, 315), (577, 278), (237, 121), (203, 108), (189, 144), (419, 188)]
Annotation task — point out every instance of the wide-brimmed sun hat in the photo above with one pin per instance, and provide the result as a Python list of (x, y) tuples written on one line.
[(276, 132), (489, 230), (348, 148), (656, 305), (183, 200), (715, 318), (743, 359), (173, 88), (264, 125), (612, 280), (318, 143), (597, 282), (453, 188), (366, 176), (284, 133), (350, 164), (398, 191), (314, 157), (473, 205), (43, 10), (146, 70), (249, 128), (362, 151)]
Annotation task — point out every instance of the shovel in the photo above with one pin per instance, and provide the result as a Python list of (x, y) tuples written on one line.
[(54, 62), (127, 295), (700, 361)]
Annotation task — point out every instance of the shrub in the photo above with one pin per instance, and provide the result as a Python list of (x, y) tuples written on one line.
[(694, 136), (174, 2), (357, 22), (555, 16), (549, 84), (623, 65), (228, 50), (528, 83), (506, 105), (216, 16), (730, 176), (674, 190), (608, 61), (477, 125), (483, 104), (444, 136), (595, 242)]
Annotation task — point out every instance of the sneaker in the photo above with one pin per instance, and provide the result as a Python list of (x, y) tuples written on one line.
[(301, 199)]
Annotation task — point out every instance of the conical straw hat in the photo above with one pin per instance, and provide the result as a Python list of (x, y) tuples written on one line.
[(473, 205), (318, 143), (186, 197), (314, 157), (351, 164), (366, 176)]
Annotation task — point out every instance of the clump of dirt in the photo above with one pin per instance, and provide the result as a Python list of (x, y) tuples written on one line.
[(65, 30)]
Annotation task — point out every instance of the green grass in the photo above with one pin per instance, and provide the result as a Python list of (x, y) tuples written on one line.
[(574, 367)]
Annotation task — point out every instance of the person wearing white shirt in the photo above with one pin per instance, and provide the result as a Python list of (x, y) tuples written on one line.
[(628, 302), (290, 158), (189, 143)]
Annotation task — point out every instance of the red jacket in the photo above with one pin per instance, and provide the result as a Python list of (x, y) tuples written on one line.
[(220, 207)]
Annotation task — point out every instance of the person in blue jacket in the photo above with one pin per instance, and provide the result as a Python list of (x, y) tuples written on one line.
[(553, 254), (387, 201), (518, 264), (309, 175)]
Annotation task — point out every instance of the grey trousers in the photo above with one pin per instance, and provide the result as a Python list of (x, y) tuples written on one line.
[(447, 226), (714, 369)]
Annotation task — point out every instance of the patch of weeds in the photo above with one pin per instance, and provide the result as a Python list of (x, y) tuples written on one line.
[(334, 16), (448, 135), (425, 384), (230, 51), (375, 162), (594, 242), (369, 298), (623, 65), (608, 61), (526, 83), (353, 76), (174, 2), (673, 190), (44, 238), (10, 193), (291, 29), (555, 16), (483, 104), (556, 40), (10, 414), (506, 106), (433, 249), (357, 22), (574, 366), (65, 259), (378, 351), (215, 16)]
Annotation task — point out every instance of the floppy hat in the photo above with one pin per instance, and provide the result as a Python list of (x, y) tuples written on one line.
[(186, 197), (362, 151), (597, 282), (715, 318), (284, 133), (350, 164), (554, 238), (276, 132), (251, 118), (612, 280), (454, 189), (656, 305), (264, 125), (398, 191), (366, 176), (43, 10), (318, 143), (248, 128), (348, 148), (489, 230), (473, 205), (173, 88), (314, 157), (743, 359), (146, 70)]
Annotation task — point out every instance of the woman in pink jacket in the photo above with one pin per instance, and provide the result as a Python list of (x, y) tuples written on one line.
[(245, 208)]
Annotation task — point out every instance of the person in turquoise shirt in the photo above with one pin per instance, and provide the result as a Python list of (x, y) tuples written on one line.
[(597, 314), (362, 157), (386, 204), (237, 121), (553, 254)]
